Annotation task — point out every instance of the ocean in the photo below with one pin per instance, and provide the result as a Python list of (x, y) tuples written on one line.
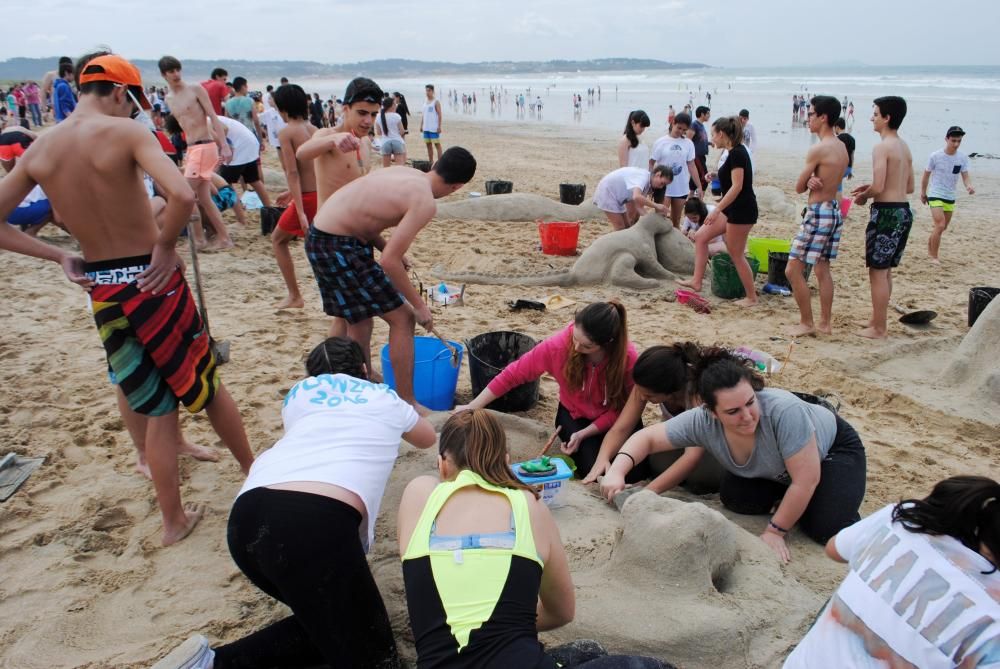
[(937, 97)]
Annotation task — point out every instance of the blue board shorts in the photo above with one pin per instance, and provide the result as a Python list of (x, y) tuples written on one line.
[(432, 137)]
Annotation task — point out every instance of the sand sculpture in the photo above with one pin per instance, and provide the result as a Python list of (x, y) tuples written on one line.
[(641, 257), (975, 366), (517, 207)]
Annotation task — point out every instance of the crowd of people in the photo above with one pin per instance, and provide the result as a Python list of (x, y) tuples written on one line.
[(483, 564)]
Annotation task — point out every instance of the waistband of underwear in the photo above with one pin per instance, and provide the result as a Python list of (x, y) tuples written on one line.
[(116, 270), (890, 205), (203, 141), (931, 198), (343, 239)]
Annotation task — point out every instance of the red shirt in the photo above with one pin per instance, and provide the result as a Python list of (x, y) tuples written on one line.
[(217, 92)]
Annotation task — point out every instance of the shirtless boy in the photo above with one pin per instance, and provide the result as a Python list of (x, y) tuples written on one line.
[(90, 167), (341, 244), (891, 219), (819, 235), (292, 104), (206, 143)]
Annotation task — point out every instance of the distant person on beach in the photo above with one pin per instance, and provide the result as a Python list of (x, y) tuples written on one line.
[(216, 88), (514, 579), (921, 587), (244, 163), (795, 108), (671, 114), (850, 112), (432, 123), (840, 128), (891, 218), (402, 110), (818, 239), (623, 194), (90, 167), (389, 126), (316, 111), (273, 123), (749, 132), (632, 152), (63, 98), (937, 187), (698, 135), (591, 360), (206, 144), (305, 518), (342, 241), (735, 214), (242, 108), (676, 151), (48, 81), (778, 451)]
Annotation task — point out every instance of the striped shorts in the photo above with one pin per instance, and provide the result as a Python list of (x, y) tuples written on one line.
[(819, 234)]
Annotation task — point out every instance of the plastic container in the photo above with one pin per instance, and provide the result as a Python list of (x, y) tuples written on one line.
[(422, 165), (489, 353), (559, 238), (551, 486), (845, 206), (725, 281), (434, 379), (499, 187), (776, 263), (979, 299), (572, 193), (269, 218), (716, 187), (758, 247)]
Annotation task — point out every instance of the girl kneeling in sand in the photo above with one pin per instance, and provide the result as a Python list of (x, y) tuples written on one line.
[(663, 375), (591, 359), (483, 564), (623, 194), (305, 518), (775, 448)]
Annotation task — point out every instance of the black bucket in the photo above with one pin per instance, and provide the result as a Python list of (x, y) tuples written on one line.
[(979, 299), (488, 354), (269, 218), (572, 193), (499, 187), (776, 263), (422, 165)]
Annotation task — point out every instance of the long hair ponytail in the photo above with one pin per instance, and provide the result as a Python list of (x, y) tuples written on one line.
[(387, 103), (605, 324), (475, 440), (640, 117)]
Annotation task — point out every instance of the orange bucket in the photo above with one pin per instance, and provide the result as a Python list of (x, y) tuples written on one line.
[(559, 238)]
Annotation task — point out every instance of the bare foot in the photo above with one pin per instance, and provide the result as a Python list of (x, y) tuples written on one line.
[(203, 453), (747, 302), (200, 244), (291, 303), (935, 261), (688, 283), (825, 328), (864, 324), (801, 330), (218, 245), (142, 467), (193, 513), (872, 333)]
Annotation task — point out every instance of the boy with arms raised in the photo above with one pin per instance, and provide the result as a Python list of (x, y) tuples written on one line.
[(90, 167), (341, 244), (206, 143), (819, 235), (891, 219), (943, 168)]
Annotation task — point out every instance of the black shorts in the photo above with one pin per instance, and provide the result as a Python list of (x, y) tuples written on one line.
[(250, 172), (888, 229)]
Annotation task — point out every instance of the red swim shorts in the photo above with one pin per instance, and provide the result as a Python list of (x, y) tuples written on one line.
[(289, 221)]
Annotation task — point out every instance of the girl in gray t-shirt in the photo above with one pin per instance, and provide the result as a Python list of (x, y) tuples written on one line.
[(775, 448)]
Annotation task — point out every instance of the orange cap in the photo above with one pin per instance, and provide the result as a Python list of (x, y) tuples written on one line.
[(117, 70)]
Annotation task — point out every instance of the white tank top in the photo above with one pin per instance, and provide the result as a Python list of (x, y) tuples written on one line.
[(431, 121), (638, 156)]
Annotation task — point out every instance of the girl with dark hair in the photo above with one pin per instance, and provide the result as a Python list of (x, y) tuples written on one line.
[(305, 518), (923, 587), (631, 151), (775, 448), (663, 375), (591, 359), (624, 193), (390, 128), (483, 564), (402, 110), (695, 214)]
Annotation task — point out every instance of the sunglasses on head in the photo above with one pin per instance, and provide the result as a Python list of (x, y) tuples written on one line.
[(367, 97)]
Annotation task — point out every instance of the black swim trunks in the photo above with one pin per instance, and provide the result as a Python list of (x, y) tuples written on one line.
[(249, 172), (885, 237), (352, 284)]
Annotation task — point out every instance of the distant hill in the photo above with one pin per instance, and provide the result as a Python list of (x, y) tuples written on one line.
[(35, 68)]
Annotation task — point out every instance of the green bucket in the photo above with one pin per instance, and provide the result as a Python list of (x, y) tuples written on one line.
[(725, 281)]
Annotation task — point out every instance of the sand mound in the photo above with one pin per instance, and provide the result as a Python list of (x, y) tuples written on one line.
[(517, 207), (975, 366), (275, 180), (772, 202)]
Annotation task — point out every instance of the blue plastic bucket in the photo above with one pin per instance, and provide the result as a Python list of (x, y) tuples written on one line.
[(434, 379)]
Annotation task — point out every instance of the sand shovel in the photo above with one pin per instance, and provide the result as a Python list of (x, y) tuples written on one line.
[(922, 317), (448, 345), (220, 349)]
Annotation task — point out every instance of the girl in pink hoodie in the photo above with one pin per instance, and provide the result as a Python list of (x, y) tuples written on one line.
[(591, 360)]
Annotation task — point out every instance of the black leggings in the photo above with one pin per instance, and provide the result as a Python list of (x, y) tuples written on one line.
[(835, 502), (587, 654), (304, 550), (586, 455)]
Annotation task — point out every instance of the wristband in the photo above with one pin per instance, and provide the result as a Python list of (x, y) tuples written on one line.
[(779, 528), (627, 456)]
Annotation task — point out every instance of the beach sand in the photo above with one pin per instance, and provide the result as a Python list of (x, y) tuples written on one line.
[(84, 582)]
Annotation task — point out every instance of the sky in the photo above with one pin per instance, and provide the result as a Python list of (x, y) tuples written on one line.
[(726, 33)]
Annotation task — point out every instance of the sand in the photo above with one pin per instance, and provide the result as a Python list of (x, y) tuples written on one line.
[(84, 583)]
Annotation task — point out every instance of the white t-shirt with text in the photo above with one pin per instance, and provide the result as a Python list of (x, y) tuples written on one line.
[(675, 153)]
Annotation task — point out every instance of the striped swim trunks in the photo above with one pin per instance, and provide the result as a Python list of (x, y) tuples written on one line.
[(819, 234), (156, 345)]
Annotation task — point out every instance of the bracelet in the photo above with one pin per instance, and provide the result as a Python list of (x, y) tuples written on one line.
[(627, 456), (771, 524)]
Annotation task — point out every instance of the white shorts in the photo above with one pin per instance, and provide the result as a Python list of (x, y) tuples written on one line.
[(605, 200)]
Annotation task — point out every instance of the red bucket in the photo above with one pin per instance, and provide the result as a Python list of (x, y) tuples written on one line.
[(559, 238), (845, 206)]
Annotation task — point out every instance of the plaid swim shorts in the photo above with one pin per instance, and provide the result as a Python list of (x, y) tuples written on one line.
[(819, 234), (352, 284)]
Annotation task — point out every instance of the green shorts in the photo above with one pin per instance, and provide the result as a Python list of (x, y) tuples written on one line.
[(945, 205)]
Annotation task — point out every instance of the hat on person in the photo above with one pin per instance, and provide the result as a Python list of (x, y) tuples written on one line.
[(955, 131), (116, 70)]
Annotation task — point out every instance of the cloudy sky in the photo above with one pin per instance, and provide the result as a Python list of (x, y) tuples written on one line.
[(718, 32)]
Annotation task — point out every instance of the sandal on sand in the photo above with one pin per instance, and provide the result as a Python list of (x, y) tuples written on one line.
[(194, 653)]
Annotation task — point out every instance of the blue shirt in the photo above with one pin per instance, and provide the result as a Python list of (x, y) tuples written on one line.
[(63, 100)]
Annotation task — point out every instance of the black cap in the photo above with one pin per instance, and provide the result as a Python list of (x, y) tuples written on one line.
[(955, 131)]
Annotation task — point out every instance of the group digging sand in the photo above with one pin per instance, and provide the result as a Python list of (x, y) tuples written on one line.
[(88, 528)]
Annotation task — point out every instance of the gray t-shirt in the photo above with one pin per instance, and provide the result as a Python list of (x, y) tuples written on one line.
[(786, 423)]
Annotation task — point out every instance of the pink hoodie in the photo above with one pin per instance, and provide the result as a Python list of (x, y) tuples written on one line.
[(590, 401)]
